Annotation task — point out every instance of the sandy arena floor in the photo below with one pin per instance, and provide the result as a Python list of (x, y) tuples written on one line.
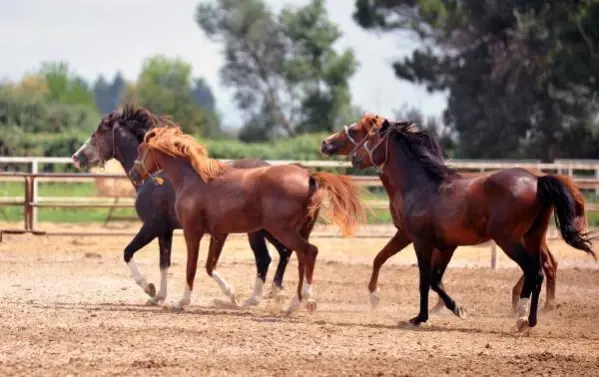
[(69, 307)]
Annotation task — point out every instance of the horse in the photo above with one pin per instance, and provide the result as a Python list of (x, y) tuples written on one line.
[(218, 199), (117, 136), (441, 209), (343, 143)]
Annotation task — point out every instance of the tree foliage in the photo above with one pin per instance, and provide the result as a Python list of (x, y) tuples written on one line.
[(287, 77), (521, 76), (166, 86)]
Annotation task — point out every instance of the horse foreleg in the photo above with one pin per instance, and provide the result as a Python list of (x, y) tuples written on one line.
[(397, 243), (165, 242), (263, 260), (192, 241), (424, 255), (141, 239), (217, 241), (442, 258)]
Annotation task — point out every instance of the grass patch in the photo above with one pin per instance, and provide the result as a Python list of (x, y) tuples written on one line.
[(90, 215)]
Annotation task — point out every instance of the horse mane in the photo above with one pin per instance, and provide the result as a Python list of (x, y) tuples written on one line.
[(138, 120), (425, 147), (172, 141)]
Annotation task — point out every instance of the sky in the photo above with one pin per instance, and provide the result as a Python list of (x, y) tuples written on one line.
[(105, 36)]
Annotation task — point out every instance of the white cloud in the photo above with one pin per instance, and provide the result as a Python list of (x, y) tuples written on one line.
[(103, 36)]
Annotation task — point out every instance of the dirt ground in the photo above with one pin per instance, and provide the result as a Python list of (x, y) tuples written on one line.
[(69, 307)]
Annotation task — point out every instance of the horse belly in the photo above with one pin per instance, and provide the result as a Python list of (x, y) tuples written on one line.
[(233, 215), (462, 232)]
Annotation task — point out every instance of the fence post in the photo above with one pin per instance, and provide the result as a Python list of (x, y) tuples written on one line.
[(34, 170), (596, 177), (493, 255)]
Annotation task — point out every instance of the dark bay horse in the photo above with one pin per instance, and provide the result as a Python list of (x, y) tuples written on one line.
[(117, 136), (343, 143), (218, 199), (442, 209)]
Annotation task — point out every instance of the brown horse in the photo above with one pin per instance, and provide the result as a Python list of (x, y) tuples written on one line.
[(441, 209), (215, 198), (342, 143)]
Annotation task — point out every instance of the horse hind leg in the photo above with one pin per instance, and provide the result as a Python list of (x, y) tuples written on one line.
[(530, 263), (258, 245), (305, 232), (549, 265), (293, 240), (550, 270), (284, 256)]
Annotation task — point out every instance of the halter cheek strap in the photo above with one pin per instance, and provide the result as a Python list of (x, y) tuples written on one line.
[(142, 164), (385, 138)]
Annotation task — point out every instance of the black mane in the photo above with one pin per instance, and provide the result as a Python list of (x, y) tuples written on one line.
[(138, 120), (424, 146)]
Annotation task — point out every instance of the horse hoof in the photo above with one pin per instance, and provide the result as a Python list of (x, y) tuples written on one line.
[(311, 305), (150, 290), (416, 321), (549, 306), (460, 312), (252, 301), (155, 301), (172, 308), (374, 299), (522, 324)]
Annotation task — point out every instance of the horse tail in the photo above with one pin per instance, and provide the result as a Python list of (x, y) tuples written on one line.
[(345, 208), (568, 203)]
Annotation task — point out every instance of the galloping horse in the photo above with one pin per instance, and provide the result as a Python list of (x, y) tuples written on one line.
[(215, 198), (344, 143), (117, 136), (442, 210)]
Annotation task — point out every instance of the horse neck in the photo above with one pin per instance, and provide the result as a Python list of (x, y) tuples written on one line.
[(125, 151), (177, 169), (403, 173)]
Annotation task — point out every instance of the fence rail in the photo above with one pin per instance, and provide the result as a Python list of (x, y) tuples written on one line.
[(31, 200)]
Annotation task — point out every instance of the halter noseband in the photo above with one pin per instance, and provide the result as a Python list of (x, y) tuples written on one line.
[(142, 163), (370, 152)]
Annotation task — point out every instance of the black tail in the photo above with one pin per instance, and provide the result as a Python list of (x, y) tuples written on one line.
[(568, 204)]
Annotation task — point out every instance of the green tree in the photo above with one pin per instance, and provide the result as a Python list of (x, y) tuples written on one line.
[(165, 86), (64, 86), (521, 76), (287, 77)]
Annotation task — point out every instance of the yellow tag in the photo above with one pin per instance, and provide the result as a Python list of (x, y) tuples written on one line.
[(158, 180)]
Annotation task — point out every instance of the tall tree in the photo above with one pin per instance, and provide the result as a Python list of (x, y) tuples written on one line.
[(520, 75), (287, 77), (108, 94), (64, 86), (165, 86)]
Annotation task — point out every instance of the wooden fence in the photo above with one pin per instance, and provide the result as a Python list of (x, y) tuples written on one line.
[(584, 172)]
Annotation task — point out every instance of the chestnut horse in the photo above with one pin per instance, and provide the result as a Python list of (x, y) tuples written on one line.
[(117, 136), (442, 209), (215, 198), (343, 143)]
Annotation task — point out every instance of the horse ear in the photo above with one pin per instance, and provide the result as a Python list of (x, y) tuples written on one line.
[(412, 127), (384, 126)]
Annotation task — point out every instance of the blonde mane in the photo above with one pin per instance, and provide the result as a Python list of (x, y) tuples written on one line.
[(172, 141)]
